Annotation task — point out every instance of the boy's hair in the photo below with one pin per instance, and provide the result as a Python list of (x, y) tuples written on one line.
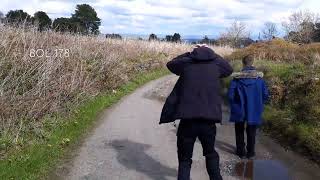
[(248, 60)]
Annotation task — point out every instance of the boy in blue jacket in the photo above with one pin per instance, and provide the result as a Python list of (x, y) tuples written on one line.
[(247, 95)]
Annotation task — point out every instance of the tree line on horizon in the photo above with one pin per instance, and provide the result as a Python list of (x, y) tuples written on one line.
[(176, 37), (83, 21), (302, 27)]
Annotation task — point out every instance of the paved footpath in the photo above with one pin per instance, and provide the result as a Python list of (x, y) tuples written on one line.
[(128, 144)]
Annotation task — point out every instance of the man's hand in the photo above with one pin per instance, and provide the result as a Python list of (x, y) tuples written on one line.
[(201, 45)]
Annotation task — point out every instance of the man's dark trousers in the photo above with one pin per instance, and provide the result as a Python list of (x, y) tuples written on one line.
[(189, 130), (251, 139)]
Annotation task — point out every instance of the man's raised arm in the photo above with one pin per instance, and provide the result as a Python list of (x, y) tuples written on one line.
[(177, 64), (225, 68)]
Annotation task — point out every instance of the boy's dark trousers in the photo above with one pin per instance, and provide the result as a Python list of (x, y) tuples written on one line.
[(187, 134), (251, 139)]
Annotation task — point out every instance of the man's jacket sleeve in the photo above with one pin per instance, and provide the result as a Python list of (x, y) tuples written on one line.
[(225, 68), (177, 64)]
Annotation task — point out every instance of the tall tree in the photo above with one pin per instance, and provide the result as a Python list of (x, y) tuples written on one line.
[(63, 25), (86, 19), (153, 37), (169, 38), (176, 37), (300, 26), (18, 17), (270, 30), (235, 34), (42, 20)]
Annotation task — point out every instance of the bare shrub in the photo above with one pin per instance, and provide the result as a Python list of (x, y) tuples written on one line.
[(300, 26), (270, 30), (235, 34)]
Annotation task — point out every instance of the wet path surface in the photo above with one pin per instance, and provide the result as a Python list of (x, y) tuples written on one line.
[(129, 144)]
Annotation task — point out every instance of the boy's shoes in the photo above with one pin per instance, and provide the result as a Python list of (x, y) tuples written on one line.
[(241, 154), (251, 156)]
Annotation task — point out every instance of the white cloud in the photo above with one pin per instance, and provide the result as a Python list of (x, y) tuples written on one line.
[(53, 8), (168, 16)]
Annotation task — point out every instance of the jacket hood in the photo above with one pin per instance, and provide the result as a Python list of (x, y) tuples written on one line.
[(247, 82), (203, 54), (251, 74), (248, 76)]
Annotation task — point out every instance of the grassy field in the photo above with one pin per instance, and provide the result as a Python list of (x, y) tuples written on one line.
[(293, 115), (53, 86)]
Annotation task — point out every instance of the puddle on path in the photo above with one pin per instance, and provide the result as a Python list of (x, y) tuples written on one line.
[(261, 170)]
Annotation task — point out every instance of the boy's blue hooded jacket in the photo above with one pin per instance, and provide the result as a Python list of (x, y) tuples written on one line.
[(247, 96)]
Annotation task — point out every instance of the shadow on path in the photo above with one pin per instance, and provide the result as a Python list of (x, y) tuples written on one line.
[(132, 155)]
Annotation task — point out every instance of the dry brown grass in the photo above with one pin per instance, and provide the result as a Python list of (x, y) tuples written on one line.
[(281, 50), (34, 87)]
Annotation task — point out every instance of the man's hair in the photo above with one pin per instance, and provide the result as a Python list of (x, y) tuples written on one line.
[(248, 60)]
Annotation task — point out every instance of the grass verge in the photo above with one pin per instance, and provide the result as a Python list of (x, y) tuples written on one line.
[(300, 137), (37, 160)]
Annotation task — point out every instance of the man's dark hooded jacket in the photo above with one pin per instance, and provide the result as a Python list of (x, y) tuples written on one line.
[(197, 93)]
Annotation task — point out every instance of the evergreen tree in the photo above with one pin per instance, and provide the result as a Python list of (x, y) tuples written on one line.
[(169, 38), (63, 25), (153, 37), (86, 20), (176, 37), (18, 17), (42, 20)]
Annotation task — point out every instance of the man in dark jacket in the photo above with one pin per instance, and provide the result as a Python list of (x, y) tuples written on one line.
[(196, 100), (247, 95)]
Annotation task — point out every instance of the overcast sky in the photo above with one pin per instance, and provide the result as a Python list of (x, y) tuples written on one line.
[(188, 17)]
